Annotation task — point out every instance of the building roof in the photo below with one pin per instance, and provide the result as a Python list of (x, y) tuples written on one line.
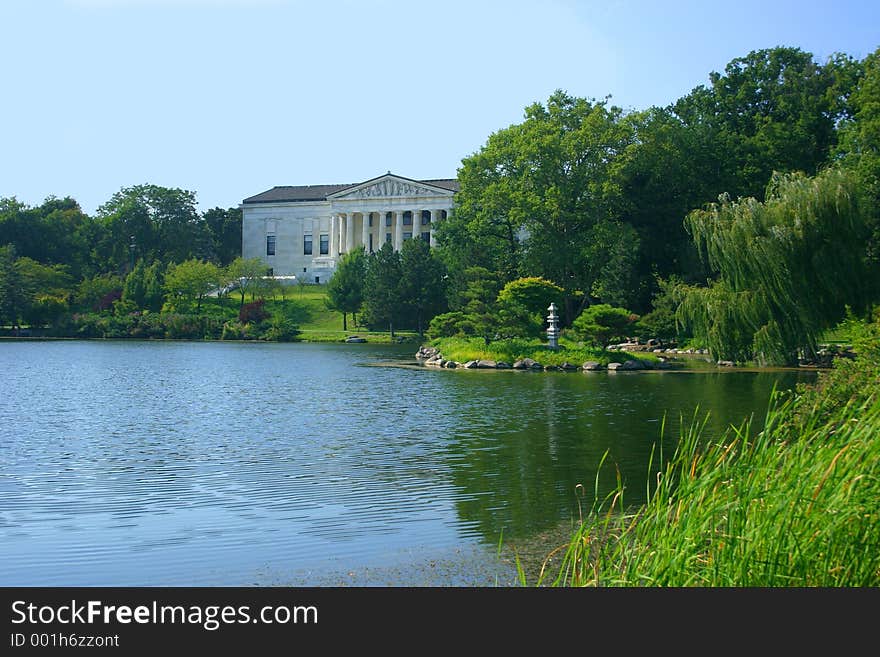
[(287, 193)]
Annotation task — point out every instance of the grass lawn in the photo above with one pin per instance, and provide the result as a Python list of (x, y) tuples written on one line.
[(305, 307)]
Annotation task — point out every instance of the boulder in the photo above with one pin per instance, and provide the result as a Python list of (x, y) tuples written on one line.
[(487, 364), (613, 367), (501, 365), (591, 366)]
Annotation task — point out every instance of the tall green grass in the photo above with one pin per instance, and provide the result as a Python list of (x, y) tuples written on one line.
[(755, 509)]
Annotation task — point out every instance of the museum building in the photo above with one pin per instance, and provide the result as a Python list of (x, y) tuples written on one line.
[(303, 230)]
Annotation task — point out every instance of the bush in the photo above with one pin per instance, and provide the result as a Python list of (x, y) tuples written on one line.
[(601, 323), (253, 313)]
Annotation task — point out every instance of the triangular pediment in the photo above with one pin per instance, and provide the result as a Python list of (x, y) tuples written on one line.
[(390, 186)]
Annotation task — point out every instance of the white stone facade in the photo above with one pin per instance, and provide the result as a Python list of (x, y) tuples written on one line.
[(302, 231)]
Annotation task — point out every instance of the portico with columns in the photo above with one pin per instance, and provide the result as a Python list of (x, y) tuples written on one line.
[(303, 231)]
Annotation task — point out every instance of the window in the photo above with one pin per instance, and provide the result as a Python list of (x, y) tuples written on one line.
[(270, 245), (325, 244), (426, 235), (387, 219), (407, 218), (371, 242), (307, 245), (426, 217), (387, 237), (305, 269), (370, 220), (317, 279), (407, 236)]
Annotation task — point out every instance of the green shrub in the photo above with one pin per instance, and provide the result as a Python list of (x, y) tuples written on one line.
[(601, 324)]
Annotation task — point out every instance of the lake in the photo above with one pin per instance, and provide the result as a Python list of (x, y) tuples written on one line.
[(142, 463)]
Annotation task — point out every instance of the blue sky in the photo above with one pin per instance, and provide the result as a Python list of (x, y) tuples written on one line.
[(228, 98)]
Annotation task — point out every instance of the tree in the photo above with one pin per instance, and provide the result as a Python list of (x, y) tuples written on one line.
[(522, 303), (530, 196), (154, 287), (602, 323), (422, 281), (134, 289), (191, 280), (55, 233), (859, 146), (345, 291), (224, 227), (246, 275), (775, 109), (13, 292), (787, 268), (92, 292), (382, 299), (29, 290), (162, 223)]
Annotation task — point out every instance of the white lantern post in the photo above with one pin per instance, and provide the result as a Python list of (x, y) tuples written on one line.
[(553, 328)]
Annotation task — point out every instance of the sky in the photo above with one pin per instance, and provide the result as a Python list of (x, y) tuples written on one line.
[(229, 98)]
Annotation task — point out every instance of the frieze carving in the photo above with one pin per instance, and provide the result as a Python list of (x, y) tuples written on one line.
[(392, 188)]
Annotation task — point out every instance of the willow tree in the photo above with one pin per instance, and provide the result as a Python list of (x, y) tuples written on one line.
[(787, 268)]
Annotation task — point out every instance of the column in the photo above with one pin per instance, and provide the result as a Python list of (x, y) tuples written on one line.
[(434, 213), (334, 236), (349, 232), (340, 231), (398, 230), (365, 231)]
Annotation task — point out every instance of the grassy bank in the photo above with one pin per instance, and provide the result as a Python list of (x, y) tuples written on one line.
[(511, 350), (796, 505)]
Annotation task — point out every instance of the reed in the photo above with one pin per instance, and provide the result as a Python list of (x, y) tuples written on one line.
[(767, 508)]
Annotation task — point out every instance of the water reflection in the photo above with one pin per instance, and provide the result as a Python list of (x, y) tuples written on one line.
[(151, 463)]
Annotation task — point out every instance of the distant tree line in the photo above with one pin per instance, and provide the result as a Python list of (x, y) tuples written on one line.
[(744, 215)]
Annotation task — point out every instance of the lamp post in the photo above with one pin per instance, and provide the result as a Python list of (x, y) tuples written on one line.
[(131, 250), (553, 328)]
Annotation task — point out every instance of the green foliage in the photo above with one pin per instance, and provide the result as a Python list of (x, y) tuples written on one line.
[(601, 324), (224, 228), (91, 291), (793, 505), (29, 291), (859, 146), (55, 233), (660, 323), (509, 350), (531, 196), (422, 282), (788, 268), (246, 274), (174, 326), (13, 292), (522, 305), (45, 310), (190, 281), (848, 379), (382, 297), (163, 223), (773, 110), (345, 291)]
